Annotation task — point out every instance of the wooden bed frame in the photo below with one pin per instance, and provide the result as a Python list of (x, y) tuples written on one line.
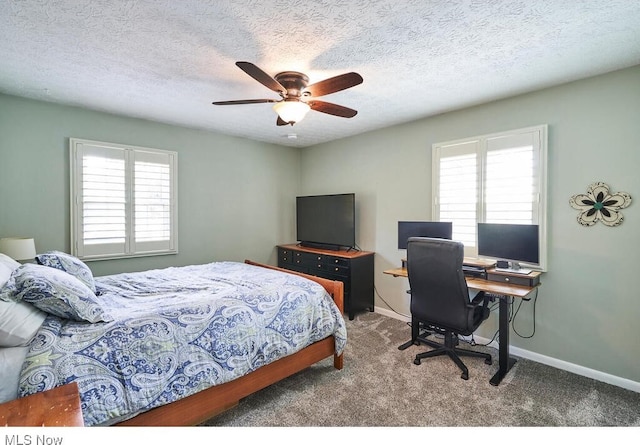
[(208, 403)]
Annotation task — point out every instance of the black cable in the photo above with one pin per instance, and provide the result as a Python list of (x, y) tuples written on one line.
[(387, 304), (375, 289), (490, 341), (533, 331)]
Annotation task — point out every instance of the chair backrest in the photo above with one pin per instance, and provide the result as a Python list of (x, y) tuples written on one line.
[(439, 292)]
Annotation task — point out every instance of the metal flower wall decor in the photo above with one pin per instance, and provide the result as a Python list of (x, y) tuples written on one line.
[(598, 204)]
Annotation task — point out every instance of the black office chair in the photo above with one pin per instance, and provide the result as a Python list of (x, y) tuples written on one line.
[(440, 299)]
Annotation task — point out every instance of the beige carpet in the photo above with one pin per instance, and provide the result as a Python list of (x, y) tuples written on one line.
[(380, 386)]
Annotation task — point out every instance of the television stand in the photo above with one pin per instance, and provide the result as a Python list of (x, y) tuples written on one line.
[(353, 268)]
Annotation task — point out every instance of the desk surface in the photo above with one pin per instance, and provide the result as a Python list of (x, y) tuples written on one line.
[(476, 283)]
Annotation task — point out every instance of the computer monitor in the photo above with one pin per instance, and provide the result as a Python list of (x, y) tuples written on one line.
[(512, 243), (428, 229)]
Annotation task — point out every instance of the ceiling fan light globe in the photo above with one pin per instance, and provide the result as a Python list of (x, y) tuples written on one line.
[(291, 111)]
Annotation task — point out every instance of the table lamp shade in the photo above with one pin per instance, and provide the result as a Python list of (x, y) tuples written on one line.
[(18, 248)]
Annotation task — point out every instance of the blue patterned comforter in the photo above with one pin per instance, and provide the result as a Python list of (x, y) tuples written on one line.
[(177, 331)]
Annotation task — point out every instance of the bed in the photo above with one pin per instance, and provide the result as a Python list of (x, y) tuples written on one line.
[(172, 346)]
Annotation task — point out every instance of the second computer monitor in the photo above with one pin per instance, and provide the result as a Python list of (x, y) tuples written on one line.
[(427, 229), (509, 242)]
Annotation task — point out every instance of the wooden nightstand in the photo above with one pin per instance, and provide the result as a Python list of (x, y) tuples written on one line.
[(57, 407)]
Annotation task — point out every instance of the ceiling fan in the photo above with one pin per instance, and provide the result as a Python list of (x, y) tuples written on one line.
[(296, 96)]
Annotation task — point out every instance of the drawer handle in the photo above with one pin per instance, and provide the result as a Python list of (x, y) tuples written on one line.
[(506, 279), (337, 269)]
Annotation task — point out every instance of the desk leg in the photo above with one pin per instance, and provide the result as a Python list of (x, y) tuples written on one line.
[(505, 362)]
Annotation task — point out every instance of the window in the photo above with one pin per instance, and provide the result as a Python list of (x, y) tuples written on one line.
[(123, 200), (497, 178)]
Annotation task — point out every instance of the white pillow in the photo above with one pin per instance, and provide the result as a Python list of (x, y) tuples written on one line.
[(5, 273), (9, 262), (19, 322), (11, 360)]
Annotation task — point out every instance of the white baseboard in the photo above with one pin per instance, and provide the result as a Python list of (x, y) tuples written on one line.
[(550, 361)]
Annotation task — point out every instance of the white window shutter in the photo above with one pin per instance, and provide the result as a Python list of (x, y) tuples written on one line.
[(509, 185), (499, 178), (457, 186), (124, 200), (154, 201)]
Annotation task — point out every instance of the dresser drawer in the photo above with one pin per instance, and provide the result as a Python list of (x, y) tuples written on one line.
[(339, 271), (336, 272), (524, 280), (285, 256), (329, 275), (336, 261), (305, 259)]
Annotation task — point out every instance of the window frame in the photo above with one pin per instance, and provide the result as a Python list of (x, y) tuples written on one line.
[(479, 146), (80, 147)]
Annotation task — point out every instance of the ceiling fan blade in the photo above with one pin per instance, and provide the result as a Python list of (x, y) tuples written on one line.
[(333, 84), (240, 102), (329, 108), (280, 122), (262, 77)]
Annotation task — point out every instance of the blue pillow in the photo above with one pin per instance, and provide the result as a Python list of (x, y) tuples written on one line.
[(56, 292), (69, 264)]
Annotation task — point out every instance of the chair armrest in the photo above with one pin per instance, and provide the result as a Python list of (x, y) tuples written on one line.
[(481, 297)]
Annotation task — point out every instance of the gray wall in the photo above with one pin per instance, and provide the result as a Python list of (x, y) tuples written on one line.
[(588, 307), (236, 197)]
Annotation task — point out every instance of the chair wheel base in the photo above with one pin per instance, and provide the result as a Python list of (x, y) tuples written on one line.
[(464, 376), (488, 361)]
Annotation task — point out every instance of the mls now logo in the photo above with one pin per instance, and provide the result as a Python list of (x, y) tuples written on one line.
[(28, 439)]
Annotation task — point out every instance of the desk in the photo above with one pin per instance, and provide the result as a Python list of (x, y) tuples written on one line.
[(505, 291)]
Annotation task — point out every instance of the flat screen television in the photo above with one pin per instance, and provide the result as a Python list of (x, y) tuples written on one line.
[(428, 229), (326, 221), (510, 244)]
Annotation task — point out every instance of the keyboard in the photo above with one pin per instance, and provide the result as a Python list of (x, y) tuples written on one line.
[(473, 271), (518, 271)]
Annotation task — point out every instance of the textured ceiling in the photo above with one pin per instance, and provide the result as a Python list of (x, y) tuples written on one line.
[(167, 60)]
